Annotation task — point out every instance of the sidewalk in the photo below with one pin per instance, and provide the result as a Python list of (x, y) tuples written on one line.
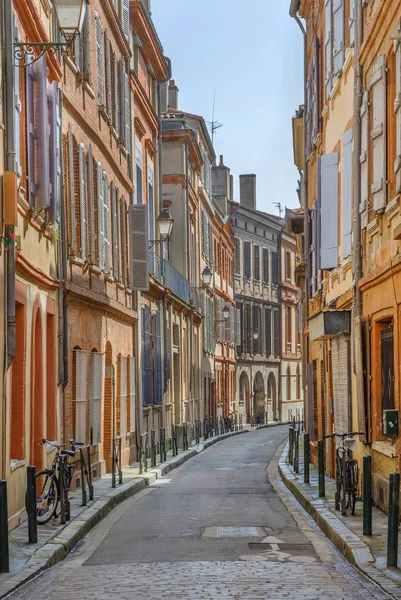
[(368, 553), (55, 541)]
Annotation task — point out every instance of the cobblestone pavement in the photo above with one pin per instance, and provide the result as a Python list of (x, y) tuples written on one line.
[(215, 529)]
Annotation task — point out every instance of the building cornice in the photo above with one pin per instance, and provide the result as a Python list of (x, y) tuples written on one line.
[(150, 43), (34, 274), (102, 300), (144, 104), (116, 27)]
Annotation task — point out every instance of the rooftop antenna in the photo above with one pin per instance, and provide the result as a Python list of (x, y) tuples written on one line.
[(214, 125), (280, 210)]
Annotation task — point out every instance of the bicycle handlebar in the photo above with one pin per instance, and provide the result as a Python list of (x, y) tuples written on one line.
[(343, 435)]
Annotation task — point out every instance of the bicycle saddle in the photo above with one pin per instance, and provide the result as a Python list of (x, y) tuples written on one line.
[(67, 453)]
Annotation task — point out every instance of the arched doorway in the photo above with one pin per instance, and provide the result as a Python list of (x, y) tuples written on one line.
[(244, 395), (272, 394), (37, 432), (259, 394)]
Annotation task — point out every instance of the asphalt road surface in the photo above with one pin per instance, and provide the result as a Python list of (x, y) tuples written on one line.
[(221, 526)]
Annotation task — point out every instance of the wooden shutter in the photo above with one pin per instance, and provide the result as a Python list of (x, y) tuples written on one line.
[(313, 101), (17, 106), (78, 52), (108, 74), (218, 318), (86, 42), (276, 319), (146, 357), (265, 265), (106, 224), (268, 330), (139, 247), (132, 393), (227, 325), (328, 47), (315, 90), (338, 42), (157, 360), (127, 113), (125, 17), (308, 124), (237, 257), (91, 194), (397, 110), (116, 115), (99, 60), (82, 201), (31, 134), (328, 209), (123, 395), (275, 268), (247, 259), (256, 258), (123, 245), (42, 133), (100, 215), (347, 194), (55, 151), (378, 133), (363, 159), (81, 361), (341, 385), (114, 231), (121, 81), (167, 355), (73, 223), (96, 381)]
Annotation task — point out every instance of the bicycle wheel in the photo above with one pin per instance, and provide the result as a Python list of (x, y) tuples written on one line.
[(47, 498), (351, 489)]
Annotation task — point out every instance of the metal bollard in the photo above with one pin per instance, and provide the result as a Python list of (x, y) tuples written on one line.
[(393, 513), (296, 460), (306, 458), (185, 436), (4, 552), (153, 447), (113, 464), (84, 500), (320, 459), (367, 495), (31, 505), (63, 507), (290, 449)]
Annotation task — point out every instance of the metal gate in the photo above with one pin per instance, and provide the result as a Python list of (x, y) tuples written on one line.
[(387, 367), (341, 387)]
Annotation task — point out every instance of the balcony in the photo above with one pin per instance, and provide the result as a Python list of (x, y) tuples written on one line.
[(176, 282), (155, 269)]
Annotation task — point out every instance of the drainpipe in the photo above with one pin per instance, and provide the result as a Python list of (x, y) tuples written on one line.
[(357, 153), (280, 325), (62, 274)]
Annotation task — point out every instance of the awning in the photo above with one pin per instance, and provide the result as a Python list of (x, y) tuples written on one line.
[(329, 323)]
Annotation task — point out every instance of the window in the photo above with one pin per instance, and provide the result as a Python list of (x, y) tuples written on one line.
[(247, 259), (157, 359), (51, 353), (288, 383), (132, 392), (96, 381), (289, 328), (151, 205), (298, 384), (79, 389), (18, 388), (99, 60), (122, 395), (288, 266), (147, 370), (115, 232), (387, 367), (256, 255), (265, 265), (268, 331), (138, 161), (275, 268), (246, 226)]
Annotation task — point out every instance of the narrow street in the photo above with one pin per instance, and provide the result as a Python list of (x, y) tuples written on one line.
[(220, 527)]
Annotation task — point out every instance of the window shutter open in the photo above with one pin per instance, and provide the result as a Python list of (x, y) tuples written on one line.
[(328, 47), (227, 326), (363, 159), (247, 259), (347, 194), (78, 52), (82, 201), (31, 135), (114, 231), (86, 42), (100, 214), (73, 221), (338, 42), (91, 195), (123, 245), (397, 110), (351, 22), (81, 362), (43, 133), (265, 265), (237, 340), (146, 357), (125, 17), (116, 115), (96, 396), (308, 124), (268, 330), (17, 107), (157, 360), (55, 152), (132, 393), (106, 224), (127, 113), (275, 268), (107, 55), (328, 208), (99, 60), (121, 81), (139, 247), (276, 318), (256, 257), (378, 134)]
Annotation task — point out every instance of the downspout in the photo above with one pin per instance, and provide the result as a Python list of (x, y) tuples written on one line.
[(357, 153), (8, 55), (280, 324)]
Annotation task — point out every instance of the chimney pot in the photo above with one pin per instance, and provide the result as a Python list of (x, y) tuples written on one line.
[(247, 184), (221, 161)]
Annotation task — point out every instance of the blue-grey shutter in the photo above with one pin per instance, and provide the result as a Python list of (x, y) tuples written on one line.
[(146, 357), (139, 247), (114, 231), (106, 224), (71, 170), (247, 259), (328, 208), (17, 107), (99, 60), (338, 42), (78, 52), (55, 151), (127, 113), (100, 215), (42, 136), (256, 260), (31, 134), (86, 61), (378, 133), (82, 201), (347, 194), (123, 245), (276, 320), (122, 99), (157, 359), (351, 22), (308, 124), (91, 214), (268, 330), (363, 159), (265, 265), (328, 46), (167, 359), (125, 17), (315, 116), (116, 115), (275, 268), (107, 55), (139, 183)]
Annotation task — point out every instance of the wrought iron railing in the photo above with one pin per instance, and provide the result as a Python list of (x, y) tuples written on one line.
[(176, 282), (155, 268)]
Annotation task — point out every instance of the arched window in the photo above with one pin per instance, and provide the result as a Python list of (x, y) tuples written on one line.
[(288, 383)]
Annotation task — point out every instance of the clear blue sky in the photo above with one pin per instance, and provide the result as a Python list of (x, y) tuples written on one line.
[(252, 54)]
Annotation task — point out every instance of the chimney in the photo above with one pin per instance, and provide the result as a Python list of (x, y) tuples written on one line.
[(232, 187), (163, 98), (172, 95), (247, 190)]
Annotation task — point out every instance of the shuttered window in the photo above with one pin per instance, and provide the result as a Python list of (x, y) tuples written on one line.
[(125, 17), (127, 113), (55, 151), (86, 43), (151, 205), (139, 247), (72, 159), (268, 331), (99, 60), (363, 159), (17, 106), (115, 231), (387, 367), (289, 328), (80, 380), (247, 259), (123, 244), (351, 22), (265, 265), (228, 326), (328, 209), (312, 222), (315, 91), (346, 196), (328, 46), (276, 321), (100, 215), (122, 378), (147, 373), (132, 393), (157, 359), (107, 56), (106, 224), (237, 257), (256, 262), (91, 198), (338, 42), (248, 328), (96, 382), (308, 112), (378, 133), (256, 327), (116, 95), (83, 209), (275, 268), (239, 328), (139, 184)]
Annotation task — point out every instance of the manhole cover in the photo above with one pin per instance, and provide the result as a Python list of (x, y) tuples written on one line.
[(222, 532)]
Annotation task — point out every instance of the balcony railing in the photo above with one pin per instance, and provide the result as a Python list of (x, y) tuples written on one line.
[(196, 298), (155, 269), (176, 282)]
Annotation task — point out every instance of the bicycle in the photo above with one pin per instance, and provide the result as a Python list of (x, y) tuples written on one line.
[(48, 481), (346, 473)]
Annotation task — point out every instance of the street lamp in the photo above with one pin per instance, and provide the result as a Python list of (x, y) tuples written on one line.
[(165, 221), (256, 335), (69, 17), (226, 312), (207, 276)]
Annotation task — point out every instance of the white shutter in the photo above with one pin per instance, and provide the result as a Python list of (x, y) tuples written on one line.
[(96, 385), (114, 231), (80, 395), (132, 392), (127, 113), (378, 134), (139, 247), (346, 200), (73, 223), (338, 43), (108, 74), (116, 96), (91, 216), (106, 224), (125, 17), (328, 47), (123, 395), (328, 207), (227, 326), (237, 327), (82, 201), (42, 162), (363, 159), (351, 22), (100, 214), (86, 62), (99, 60), (122, 101), (17, 107), (218, 318), (397, 110), (55, 151)]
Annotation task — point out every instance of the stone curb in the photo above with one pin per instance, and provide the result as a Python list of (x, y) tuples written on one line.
[(58, 547), (346, 541)]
